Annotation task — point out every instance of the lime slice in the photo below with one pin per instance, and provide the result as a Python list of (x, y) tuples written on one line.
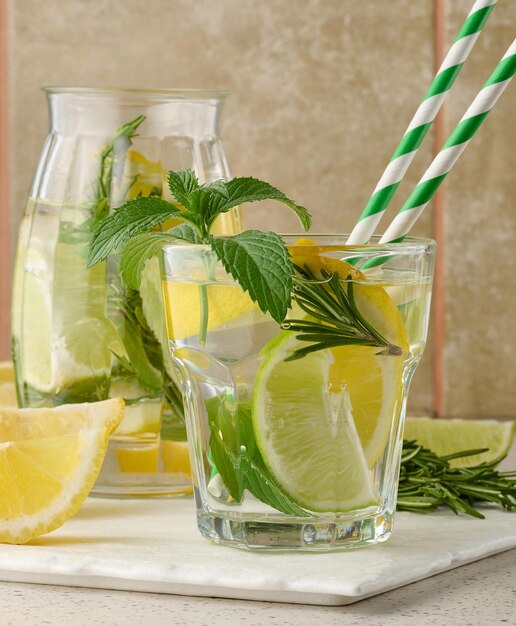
[(306, 436), (37, 332), (447, 436)]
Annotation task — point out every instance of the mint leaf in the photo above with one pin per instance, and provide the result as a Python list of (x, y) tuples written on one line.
[(181, 184), (260, 263), (251, 189), (131, 218), (142, 247), (208, 201), (136, 253), (139, 343), (185, 232), (237, 459)]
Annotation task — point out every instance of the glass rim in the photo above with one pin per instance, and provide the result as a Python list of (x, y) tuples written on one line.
[(128, 92), (407, 246)]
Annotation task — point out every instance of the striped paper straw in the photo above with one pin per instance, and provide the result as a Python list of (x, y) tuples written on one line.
[(453, 148), (421, 122)]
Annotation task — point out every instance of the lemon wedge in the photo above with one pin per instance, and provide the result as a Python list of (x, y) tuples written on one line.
[(49, 460)]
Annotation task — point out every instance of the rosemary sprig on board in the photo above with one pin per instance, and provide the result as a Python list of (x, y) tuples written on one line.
[(333, 318), (428, 481)]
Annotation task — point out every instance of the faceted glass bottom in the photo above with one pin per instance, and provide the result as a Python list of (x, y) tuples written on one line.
[(306, 536)]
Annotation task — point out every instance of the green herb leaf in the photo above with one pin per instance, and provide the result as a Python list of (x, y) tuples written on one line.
[(333, 318), (181, 184), (136, 253), (250, 189), (209, 201), (428, 481), (238, 460), (111, 165), (260, 263), (185, 232), (127, 221)]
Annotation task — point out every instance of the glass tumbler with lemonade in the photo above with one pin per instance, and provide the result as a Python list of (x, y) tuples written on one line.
[(295, 429), (294, 357)]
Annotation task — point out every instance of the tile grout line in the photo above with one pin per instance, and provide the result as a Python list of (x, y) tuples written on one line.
[(439, 231), (4, 183)]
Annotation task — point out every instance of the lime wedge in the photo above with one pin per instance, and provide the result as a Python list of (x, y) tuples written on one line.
[(307, 437), (447, 436)]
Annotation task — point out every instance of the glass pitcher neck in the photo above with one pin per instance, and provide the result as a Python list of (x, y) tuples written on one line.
[(167, 112)]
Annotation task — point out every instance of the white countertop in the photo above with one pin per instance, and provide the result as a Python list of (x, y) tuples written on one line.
[(481, 593)]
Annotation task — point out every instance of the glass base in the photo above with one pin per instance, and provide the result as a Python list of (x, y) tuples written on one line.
[(322, 537), (137, 490), (144, 467)]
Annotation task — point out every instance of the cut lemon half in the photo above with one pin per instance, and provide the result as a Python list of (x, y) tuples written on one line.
[(447, 436), (49, 460)]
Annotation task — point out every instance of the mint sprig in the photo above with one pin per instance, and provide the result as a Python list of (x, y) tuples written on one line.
[(238, 461), (133, 217), (258, 261)]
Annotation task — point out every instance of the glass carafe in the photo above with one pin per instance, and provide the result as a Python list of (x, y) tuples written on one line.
[(80, 334)]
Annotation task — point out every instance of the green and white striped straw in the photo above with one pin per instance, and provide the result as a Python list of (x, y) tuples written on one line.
[(453, 148), (421, 122)]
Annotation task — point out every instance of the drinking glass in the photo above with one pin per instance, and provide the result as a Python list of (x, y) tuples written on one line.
[(296, 448)]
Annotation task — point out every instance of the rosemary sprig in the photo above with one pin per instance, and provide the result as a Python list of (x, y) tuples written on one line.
[(428, 481), (333, 318)]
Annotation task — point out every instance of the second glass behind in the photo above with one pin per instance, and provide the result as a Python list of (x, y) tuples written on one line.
[(295, 447), (79, 334)]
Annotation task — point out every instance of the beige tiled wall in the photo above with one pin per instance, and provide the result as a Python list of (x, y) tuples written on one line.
[(481, 238), (321, 92)]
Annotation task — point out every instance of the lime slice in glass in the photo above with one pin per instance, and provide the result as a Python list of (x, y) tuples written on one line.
[(307, 437)]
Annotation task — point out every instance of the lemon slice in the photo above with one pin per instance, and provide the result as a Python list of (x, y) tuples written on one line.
[(447, 436), (372, 383), (138, 460), (176, 459), (7, 387), (225, 306), (148, 176), (49, 460)]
